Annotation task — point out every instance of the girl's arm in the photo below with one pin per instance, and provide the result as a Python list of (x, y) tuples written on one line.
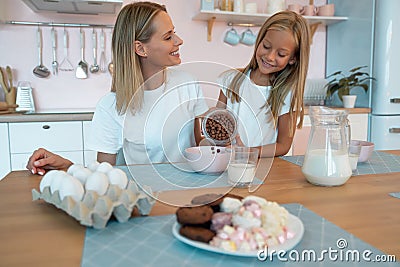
[(283, 140), (105, 157)]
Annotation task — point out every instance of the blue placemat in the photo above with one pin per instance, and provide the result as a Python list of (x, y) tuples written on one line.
[(380, 162), (395, 194), (148, 241), (164, 177)]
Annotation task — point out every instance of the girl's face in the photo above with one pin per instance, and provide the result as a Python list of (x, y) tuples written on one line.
[(275, 51), (163, 48)]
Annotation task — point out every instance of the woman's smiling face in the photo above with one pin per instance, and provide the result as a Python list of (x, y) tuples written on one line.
[(275, 51), (163, 48)]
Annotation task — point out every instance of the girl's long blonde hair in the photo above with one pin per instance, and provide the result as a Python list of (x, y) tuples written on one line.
[(292, 78), (134, 23)]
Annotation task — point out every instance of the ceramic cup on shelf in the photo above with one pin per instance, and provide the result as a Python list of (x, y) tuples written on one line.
[(248, 37), (310, 10), (232, 37), (326, 10), (299, 9)]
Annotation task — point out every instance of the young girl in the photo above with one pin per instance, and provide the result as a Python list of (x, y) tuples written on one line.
[(267, 95), (144, 92)]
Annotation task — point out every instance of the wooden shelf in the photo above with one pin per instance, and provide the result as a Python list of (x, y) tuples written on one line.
[(256, 19)]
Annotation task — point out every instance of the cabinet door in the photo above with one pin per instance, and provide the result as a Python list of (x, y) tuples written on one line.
[(89, 156), (54, 136), (18, 161), (4, 151), (359, 126)]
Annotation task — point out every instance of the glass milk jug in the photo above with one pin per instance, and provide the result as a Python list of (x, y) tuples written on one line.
[(326, 161)]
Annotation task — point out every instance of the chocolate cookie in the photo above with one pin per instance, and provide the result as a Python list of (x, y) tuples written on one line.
[(197, 233), (207, 199), (194, 215)]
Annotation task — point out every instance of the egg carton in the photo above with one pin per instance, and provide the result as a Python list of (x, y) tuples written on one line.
[(95, 210)]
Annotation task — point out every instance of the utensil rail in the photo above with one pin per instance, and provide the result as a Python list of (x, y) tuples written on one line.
[(55, 24)]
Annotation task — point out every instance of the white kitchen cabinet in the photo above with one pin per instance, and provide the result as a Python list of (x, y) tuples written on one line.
[(89, 156), (64, 138), (5, 166), (358, 126)]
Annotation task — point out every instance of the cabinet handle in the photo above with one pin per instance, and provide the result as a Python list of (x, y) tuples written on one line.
[(395, 100), (394, 130), (46, 127)]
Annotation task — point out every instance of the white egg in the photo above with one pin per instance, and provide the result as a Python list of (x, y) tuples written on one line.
[(47, 179), (98, 182), (104, 167), (70, 186), (118, 177), (56, 181), (82, 174), (73, 168), (93, 166)]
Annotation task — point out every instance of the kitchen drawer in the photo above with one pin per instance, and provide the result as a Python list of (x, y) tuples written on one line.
[(54, 136), (19, 161), (385, 132)]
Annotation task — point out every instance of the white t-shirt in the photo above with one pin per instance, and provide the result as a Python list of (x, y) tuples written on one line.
[(160, 131), (254, 127)]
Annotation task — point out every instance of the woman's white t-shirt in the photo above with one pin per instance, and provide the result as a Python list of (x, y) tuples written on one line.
[(160, 131), (254, 127)]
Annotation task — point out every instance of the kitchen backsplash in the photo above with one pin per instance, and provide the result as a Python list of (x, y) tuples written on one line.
[(18, 49)]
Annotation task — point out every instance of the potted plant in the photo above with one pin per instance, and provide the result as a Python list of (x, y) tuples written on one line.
[(343, 85)]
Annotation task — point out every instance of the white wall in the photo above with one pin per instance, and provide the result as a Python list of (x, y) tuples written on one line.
[(18, 49)]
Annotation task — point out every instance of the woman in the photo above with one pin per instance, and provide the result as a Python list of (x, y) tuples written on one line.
[(144, 45)]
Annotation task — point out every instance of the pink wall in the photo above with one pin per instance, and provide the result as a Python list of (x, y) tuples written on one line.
[(18, 49)]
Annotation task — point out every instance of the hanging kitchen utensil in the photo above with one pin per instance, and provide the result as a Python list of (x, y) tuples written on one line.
[(94, 68), (10, 77), (3, 82), (40, 70), (82, 69), (66, 65), (54, 64), (103, 60)]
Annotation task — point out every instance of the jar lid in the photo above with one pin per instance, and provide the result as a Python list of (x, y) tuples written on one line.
[(219, 126)]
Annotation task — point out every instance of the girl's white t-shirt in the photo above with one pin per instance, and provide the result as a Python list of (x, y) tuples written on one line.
[(160, 131), (254, 127)]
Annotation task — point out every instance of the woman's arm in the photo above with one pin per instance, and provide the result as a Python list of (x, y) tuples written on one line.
[(43, 160)]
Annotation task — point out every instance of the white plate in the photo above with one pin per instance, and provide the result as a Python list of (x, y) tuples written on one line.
[(294, 225)]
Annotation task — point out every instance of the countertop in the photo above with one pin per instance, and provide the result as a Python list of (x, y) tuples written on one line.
[(87, 115), (35, 233)]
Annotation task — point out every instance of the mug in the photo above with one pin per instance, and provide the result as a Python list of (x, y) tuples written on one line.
[(299, 9), (232, 37), (310, 10), (248, 37), (327, 10)]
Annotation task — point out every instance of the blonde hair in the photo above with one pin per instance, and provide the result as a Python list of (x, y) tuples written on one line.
[(134, 23), (292, 78)]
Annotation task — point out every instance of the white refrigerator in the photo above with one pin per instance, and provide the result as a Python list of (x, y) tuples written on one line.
[(385, 95)]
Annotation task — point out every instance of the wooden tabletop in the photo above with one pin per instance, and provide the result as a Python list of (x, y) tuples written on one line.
[(34, 233)]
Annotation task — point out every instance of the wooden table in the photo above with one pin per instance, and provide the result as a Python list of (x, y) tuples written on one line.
[(34, 233)]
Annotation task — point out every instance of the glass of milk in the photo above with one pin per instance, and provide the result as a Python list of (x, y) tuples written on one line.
[(354, 154), (242, 166)]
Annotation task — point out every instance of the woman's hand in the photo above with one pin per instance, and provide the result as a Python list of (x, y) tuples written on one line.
[(42, 160)]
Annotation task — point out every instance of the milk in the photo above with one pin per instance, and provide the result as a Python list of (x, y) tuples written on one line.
[(353, 161), (241, 174), (322, 169)]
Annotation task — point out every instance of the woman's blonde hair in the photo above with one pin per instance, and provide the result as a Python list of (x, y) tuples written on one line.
[(292, 78), (134, 23)]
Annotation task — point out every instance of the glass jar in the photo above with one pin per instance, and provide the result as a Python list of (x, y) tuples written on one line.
[(225, 5), (219, 126), (326, 161)]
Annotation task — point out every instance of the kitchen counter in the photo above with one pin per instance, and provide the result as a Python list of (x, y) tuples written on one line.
[(49, 115), (35, 233), (87, 115), (350, 110)]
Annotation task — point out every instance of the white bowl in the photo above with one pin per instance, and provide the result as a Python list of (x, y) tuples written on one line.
[(207, 159), (367, 148)]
